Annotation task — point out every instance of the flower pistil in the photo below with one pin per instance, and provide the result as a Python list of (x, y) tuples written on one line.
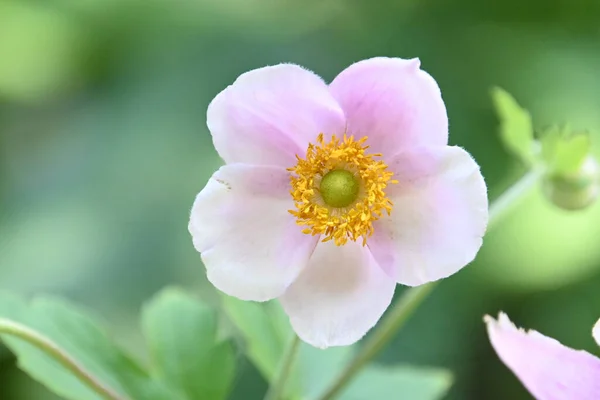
[(339, 189)]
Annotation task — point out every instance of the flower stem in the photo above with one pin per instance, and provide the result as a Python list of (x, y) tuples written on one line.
[(410, 300), (277, 389), (8, 327), (513, 194)]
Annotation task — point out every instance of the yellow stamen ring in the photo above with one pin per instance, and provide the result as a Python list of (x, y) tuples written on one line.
[(339, 190)]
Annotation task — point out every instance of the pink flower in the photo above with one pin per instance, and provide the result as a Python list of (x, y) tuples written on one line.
[(549, 370), (332, 194)]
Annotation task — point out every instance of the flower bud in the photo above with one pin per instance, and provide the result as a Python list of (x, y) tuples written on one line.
[(575, 190)]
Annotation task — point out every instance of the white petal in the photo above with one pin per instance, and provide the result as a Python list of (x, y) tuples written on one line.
[(269, 115), (250, 244), (596, 332), (548, 369), (393, 102), (439, 216), (339, 296)]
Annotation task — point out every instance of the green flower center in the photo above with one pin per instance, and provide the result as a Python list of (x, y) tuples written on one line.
[(339, 188)]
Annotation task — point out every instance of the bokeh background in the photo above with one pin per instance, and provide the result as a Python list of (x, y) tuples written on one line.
[(103, 146)]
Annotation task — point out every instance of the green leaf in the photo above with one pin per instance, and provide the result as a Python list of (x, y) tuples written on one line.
[(182, 336), (378, 382), (563, 151), (318, 368), (265, 330), (550, 140), (84, 340), (516, 128)]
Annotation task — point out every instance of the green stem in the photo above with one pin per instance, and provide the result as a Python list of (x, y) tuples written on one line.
[(513, 194), (410, 300), (8, 327), (277, 389)]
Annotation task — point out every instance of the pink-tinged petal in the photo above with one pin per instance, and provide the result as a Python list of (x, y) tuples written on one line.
[(596, 332), (548, 369), (339, 296), (250, 244), (270, 114), (393, 102), (438, 219)]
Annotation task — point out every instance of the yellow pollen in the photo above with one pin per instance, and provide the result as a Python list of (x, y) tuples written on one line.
[(340, 224)]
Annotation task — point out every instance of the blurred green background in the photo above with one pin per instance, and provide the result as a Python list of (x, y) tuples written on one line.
[(103, 146)]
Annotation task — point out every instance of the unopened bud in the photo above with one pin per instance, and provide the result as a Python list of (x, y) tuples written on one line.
[(575, 190)]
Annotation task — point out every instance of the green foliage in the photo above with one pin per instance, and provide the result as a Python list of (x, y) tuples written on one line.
[(569, 181), (264, 329), (377, 382), (564, 151), (516, 127), (84, 340), (317, 368), (182, 337), (189, 363)]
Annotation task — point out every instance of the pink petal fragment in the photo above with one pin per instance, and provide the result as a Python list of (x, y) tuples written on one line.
[(270, 114), (250, 244), (596, 332), (393, 102), (439, 216), (548, 369), (339, 296)]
